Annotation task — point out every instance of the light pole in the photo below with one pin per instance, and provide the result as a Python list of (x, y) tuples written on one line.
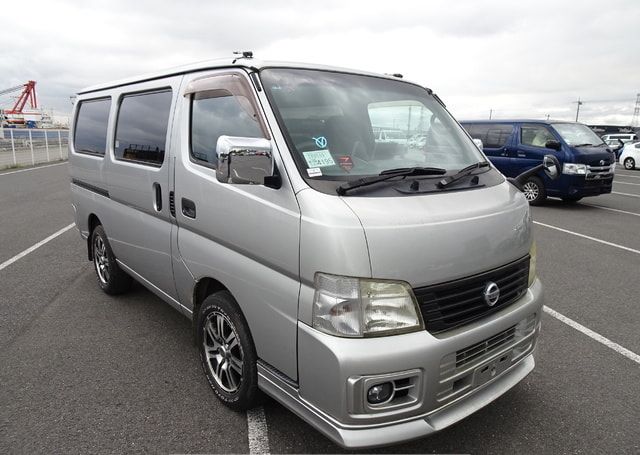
[(579, 103)]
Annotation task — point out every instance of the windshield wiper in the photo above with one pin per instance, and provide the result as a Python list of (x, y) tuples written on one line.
[(582, 145), (387, 175), (461, 174)]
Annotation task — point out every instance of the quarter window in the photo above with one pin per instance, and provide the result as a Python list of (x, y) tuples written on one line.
[(141, 131), (535, 135), (216, 113), (91, 126)]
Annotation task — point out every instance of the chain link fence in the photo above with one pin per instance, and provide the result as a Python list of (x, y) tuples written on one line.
[(24, 147)]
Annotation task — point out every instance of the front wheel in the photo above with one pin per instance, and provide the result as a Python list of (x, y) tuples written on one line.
[(629, 163), (227, 352), (534, 191)]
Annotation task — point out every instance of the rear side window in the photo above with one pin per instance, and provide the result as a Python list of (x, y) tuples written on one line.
[(141, 130), (90, 134), (492, 135), (217, 113)]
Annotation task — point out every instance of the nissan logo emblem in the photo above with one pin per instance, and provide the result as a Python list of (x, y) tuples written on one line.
[(491, 293)]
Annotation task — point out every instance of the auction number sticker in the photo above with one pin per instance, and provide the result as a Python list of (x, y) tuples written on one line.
[(319, 158)]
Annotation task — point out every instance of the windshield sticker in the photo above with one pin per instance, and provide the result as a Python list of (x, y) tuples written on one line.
[(321, 142), (314, 172), (345, 163), (319, 158)]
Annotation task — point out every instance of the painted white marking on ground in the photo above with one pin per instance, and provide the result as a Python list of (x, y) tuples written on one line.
[(258, 432), (32, 168), (619, 174), (594, 335), (625, 194), (604, 242), (613, 210), (627, 183), (32, 248)]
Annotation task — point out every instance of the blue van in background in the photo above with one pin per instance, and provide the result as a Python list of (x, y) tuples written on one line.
[(514, 146)]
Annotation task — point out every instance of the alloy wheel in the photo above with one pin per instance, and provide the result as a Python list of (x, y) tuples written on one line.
[(531, 191), (101, 259), (223, 352)]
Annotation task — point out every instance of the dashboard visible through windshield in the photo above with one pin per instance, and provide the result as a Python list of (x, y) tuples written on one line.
[(341, 127)]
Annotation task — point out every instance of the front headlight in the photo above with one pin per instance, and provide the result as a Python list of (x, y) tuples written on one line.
[(360, 307), (532, 263), (574, 169)]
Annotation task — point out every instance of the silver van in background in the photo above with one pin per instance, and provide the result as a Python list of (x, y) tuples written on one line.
[(379, 291)]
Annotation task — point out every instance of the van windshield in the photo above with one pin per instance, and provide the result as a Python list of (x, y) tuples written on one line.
[(345, 126), (577, 134)]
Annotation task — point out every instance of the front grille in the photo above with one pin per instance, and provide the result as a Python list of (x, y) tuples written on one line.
[(599, 169), (452, 304)]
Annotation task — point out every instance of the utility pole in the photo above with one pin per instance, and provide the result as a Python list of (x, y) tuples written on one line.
[(636, 112), (579, 103), (490, 113)]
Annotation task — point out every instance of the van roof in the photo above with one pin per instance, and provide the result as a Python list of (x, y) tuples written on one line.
[(238, 62)]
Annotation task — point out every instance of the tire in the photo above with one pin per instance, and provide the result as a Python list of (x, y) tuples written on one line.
[(534, 191), (629, 164), (571, 199), (227, 352), (111, 278)]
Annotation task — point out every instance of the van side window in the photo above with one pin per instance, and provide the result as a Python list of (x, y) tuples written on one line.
[(90, 134), (492, 135), (535, 135), (216, 113), (141, 130)]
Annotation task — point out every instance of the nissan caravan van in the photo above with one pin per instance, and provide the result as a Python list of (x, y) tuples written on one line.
[(381, 292)]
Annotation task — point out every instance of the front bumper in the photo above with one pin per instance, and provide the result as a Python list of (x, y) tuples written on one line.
[(330, 366)]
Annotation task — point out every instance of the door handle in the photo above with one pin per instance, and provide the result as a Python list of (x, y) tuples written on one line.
[(157, 203), (188, 208)]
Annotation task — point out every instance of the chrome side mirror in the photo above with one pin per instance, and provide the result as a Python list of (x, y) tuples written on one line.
[(245, 160), (551, 166), (478, 143)]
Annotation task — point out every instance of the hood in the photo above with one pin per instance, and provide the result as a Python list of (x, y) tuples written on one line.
[(434, 238), (591, 155)]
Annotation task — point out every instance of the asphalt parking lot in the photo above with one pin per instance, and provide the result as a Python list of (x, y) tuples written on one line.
[(84, 372)]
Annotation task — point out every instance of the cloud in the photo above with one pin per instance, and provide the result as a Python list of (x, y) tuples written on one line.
[(521, 59)]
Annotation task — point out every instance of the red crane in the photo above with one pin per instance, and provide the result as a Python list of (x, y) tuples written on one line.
[(28, 94)]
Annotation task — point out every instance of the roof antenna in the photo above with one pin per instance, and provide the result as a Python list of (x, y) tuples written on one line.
[(245, 54)]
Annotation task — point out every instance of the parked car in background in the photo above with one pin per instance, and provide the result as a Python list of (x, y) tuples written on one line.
[(630, 155), (624, 137), (514, 146), (615, 145)]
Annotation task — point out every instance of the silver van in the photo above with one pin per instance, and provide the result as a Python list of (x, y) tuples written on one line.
[(380, 292)]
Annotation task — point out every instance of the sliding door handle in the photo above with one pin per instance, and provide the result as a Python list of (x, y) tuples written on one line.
[(188, 208)]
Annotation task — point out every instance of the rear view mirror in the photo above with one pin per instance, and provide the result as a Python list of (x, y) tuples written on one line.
[(245, 160), (478, 143), (555, 145), (551, 166)]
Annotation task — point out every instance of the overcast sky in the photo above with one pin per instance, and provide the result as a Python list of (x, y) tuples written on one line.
[(519, 58)]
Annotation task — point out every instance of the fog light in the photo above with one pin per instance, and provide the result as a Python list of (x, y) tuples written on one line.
[(380, 393)]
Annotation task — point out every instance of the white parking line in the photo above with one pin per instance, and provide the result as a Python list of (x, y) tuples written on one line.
[(18, 256), (628, 175), (609, 208), (577, 234), (33, 168), (591, 334), (258, 433), (627, 183), (625, 194)]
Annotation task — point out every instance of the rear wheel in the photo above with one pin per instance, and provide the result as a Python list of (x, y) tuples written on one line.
[(629, 163), (534, 191), (111, 278)]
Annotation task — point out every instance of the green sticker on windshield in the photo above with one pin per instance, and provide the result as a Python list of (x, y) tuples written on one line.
[(319, 158)]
